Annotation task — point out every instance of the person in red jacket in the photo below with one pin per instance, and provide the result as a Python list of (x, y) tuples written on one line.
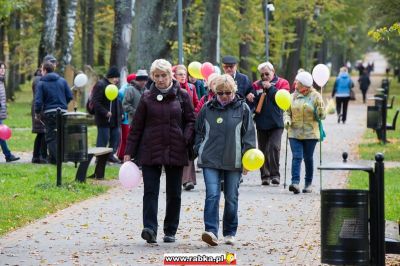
[(210, 92), (162, 132)]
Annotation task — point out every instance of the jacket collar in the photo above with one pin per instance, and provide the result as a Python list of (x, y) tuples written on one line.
[(171, 94), (236, 102)]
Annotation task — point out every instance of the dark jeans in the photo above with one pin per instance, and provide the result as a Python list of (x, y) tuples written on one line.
[(269, 142), (302, 148), (50, 121), (341, 107), (364, 95), (107, 135), (39, 146), (212, 179), (151, 180), (4, 147)]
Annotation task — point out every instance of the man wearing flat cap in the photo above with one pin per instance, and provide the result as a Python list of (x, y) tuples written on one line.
[(107, 115), (244, 87)]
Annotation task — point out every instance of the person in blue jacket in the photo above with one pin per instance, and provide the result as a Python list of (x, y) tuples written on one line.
[(52, 92), (341, 89)]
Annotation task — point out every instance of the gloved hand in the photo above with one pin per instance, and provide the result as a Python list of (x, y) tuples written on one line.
[(287, 124), (321, 111)]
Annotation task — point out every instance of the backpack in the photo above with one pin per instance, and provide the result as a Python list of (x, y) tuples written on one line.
[(89, 103)]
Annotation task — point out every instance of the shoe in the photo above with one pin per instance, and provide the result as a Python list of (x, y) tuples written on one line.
[(35, 160), (188, 186), (339, 118), (229, 240), (241, 180), (169, 239), (275, 181), (12, 158), (149, 235), (209, 238), (266, 181), (294, 188), (113, 160), (307, 188)]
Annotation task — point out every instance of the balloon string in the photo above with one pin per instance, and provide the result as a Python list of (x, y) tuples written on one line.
[(109, 119)]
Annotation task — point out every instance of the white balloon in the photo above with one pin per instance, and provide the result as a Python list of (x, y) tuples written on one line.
[(321, 74), (80, 80), (217, 70), (129, 175)]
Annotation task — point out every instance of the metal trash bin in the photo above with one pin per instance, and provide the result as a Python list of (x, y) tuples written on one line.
[(75, 148), (374, 117), (344, 227)]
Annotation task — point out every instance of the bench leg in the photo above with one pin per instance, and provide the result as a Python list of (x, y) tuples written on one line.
[(82, 169), (101, 166)]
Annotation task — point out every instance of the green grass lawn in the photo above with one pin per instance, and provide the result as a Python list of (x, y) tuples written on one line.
[(29, 192), (370, 145), (359, 180)]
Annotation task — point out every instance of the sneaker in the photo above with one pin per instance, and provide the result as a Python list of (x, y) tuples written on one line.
[(307, 188), (149, 235), (188, 186), (12, 158), (209, 238), (266, 181), (294, 188), (275, 181), (169, 239), (229, 240)]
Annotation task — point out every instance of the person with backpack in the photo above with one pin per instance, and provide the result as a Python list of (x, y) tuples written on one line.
[(108, 115), (162, 130), (224, 132), (189, 172)]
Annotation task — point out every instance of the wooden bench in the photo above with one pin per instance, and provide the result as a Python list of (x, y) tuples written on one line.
[(392, 237), (102, 154), (393, 125), (391, 103)]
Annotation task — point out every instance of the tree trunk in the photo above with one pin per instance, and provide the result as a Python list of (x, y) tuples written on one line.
[(210, 34), (244, 45), (154, 31), (2, 39), (90, 5), (69, 30), (48, 36), (83, 15), (122, 33), (13, 65), (293, 61)]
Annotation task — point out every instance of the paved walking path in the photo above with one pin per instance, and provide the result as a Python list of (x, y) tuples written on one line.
[(275, 226)]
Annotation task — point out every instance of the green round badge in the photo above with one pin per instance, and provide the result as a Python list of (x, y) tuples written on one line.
[(220, 120)]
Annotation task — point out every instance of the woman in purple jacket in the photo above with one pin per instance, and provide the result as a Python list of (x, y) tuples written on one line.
[(164, 128)]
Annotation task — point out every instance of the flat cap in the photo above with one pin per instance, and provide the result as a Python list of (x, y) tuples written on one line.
[(230, 60)]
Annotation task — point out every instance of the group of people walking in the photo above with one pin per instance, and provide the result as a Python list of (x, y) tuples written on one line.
[(170, 121)]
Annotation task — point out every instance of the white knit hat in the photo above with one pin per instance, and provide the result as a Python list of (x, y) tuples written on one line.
[(305, 79)]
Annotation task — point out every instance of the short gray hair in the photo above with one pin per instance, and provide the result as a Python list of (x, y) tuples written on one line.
[(161, 65), (267, 65), (225, 81)]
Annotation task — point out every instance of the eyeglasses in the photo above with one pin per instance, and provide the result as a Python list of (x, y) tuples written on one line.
[(266, 74), (227, 93), (228, 66)]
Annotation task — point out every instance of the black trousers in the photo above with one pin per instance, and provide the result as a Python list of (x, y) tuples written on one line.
[(269, 142), (39, 146), (341, 106), (151, 180), (50, 121)]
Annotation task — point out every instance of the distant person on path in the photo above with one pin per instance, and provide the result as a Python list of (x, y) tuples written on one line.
[(52, 92), (224, 132), (244, 88), (107, 119), (301, 120), (158, 139), (3, 114), (189, 172), (269, 121), (38, 127), (364, 82), (341, 89), (200, 89)]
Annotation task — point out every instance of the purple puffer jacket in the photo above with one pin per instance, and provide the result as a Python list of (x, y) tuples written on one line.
[(157, 136)]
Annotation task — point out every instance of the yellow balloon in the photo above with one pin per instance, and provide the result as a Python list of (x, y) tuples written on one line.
[(282, 99), (253, 159), (194, 69), (111, 92)]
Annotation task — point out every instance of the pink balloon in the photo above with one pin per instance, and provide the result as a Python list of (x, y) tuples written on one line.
[(207, 69), (129, 175), (5, 132)]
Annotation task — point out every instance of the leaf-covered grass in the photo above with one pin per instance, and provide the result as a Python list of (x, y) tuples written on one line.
[(29, 192), (370, 144), (359, 180)]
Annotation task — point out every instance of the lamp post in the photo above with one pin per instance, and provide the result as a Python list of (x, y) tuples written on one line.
[(180, 33), (268, 7)]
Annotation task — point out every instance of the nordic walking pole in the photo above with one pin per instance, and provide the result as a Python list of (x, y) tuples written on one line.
[(287, 136)]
